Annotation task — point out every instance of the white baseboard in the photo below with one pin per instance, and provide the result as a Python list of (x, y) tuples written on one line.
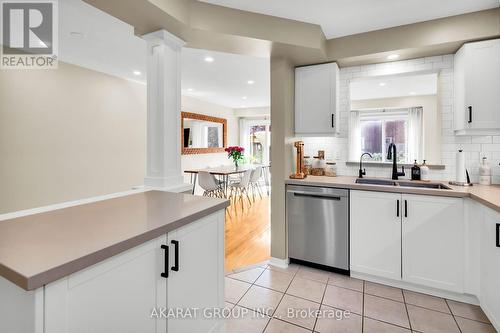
[(465, 298), (281, 263)]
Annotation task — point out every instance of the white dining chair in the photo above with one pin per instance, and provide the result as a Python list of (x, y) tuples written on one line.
[(254, 183), (240, 189), (209, 184)]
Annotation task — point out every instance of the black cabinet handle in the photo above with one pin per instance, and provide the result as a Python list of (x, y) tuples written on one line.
[(333, 120), (397, 209), (165, 270), (406, 208), (498, 234), (175, 267), (470, 113)]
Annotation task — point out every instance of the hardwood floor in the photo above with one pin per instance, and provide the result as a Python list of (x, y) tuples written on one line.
[(248, 235)]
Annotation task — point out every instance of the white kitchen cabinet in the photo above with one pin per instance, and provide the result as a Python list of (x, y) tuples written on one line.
[(316, 100), (116, 295), (199, 281), (414, 238), (375, 219), (477, 83), (433, 241), (490, 266), (120, 293)]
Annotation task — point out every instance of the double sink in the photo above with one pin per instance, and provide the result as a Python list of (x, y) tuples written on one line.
[(402, 183)]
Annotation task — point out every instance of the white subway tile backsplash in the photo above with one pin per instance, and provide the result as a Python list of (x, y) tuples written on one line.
[(474, 147)]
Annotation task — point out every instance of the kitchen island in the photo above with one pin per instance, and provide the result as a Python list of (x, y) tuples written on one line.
[(104, 266)]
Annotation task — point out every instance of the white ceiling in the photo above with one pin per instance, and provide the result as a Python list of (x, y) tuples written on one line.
[(347, 17), (393, 86), (93, 39)]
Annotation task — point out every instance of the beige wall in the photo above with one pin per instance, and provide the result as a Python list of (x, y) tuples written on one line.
[(68, 134), (282, 117), (197, 161), (432, 119)]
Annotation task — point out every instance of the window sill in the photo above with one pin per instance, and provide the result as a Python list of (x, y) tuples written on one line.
[(386, 164)]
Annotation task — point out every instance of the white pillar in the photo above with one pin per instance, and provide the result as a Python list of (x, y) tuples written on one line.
[(163, 168)]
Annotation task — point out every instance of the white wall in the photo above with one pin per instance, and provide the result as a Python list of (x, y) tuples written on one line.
[(197, 161), (263, 112), (474, 146), (68, 134)]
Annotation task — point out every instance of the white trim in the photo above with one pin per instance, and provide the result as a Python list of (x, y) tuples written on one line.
[(164, 37), (465, 298), (278, 262)]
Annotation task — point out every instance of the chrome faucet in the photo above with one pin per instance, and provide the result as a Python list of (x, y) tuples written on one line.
[(392, 155), (362, 171)]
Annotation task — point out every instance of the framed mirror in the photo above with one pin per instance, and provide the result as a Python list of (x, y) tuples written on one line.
[(202, 134)]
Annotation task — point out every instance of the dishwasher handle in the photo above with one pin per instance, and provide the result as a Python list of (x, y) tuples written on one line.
[(316, 195)]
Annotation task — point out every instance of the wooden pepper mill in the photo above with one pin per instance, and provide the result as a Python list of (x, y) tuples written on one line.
[(299, 174)]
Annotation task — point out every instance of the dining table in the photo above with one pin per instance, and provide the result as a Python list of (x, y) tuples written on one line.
[(223, 172)]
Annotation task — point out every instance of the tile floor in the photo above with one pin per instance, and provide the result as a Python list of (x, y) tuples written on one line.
[(300, 299)]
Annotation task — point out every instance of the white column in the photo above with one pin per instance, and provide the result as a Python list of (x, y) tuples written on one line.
[(163, 168)]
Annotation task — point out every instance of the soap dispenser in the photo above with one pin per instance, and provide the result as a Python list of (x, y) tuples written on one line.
[(424, 172), (415, 171)]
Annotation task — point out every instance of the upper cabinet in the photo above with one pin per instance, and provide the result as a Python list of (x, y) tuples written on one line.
[(477, 87), (316, 100)]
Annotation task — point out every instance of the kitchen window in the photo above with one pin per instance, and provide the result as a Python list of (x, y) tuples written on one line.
[(372, 131)]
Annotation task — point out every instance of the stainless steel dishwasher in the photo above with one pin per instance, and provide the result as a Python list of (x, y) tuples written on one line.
[(318, 226)]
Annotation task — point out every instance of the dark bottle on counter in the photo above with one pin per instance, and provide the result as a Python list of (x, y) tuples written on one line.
[(415, 172)]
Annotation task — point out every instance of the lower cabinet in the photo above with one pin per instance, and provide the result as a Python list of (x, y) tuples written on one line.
[(376, 233), (490, 266), (414, 238), (126, 293)]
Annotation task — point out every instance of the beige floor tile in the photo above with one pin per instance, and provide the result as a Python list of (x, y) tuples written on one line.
[(386, 310), (274, 280), (428, 321), (291, 269), (261, 299), (426, 301), (468, 311), (346, 282), (278, 326), (313, 274), (297, 311), (333, 320), (375, 326), (308, 289), (249, 275), (472, 326), (234, 290), (243, 320), (381, 290), (345, 299)]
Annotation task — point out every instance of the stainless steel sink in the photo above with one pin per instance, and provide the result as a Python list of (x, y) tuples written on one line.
[(437, 186), (389, 182), (371, 181)]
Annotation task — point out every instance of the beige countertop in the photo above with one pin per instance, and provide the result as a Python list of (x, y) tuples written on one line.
[(41, 248), (486, 195)]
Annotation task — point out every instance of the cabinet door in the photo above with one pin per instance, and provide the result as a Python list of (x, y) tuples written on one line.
[(199, 280), (482, 84), (116, 295), (490, 267), (376, 233), (433, 241), (316, 110)]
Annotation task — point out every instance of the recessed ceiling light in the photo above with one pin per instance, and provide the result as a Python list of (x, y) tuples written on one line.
[(190, 89), (76, 34), (392, 56), (242, 106), (412, 93), (250, 82), (209, 59), (382, 84), (137, 73), (244, 97)]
